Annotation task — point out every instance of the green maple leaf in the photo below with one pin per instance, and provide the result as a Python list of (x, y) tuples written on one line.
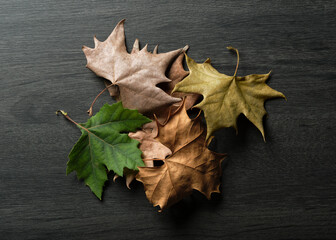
[(226, 97), (104, 145)]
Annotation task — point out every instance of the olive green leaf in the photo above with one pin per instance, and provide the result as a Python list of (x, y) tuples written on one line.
[(105, 145), (226, 97)]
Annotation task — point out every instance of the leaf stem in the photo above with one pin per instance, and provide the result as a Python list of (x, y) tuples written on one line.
[(65, 114), (237, 52), (91, 107)]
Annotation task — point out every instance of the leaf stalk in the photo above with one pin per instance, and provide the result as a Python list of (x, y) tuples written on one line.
[(237, 52), (90, 111), (65, 114)]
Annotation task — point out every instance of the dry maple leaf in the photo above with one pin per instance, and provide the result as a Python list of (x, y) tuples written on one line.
[(226, 97), (191, 166), (136, 74)]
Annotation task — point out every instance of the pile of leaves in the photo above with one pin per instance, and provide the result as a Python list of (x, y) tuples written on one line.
[(147, 135)]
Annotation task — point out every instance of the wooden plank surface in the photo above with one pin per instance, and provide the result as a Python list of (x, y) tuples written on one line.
[(282, 189)]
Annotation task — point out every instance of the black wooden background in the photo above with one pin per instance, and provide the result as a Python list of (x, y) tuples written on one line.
[(282, 189)]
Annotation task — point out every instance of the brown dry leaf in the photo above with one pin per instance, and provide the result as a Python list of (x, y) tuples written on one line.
[(191, 166), (136, 74), (150, 147)]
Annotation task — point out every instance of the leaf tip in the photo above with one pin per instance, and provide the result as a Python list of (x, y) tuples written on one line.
[(283, 96), (262, 133), (208, 60), (115, 177), (99, 196), (128, 182), (85, 49), (121, 23), (155, 51), (186, 47), (145, 48), (96, 41), (135, 46)]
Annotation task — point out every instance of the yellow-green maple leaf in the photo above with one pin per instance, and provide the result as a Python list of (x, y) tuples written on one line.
[(226, 97)]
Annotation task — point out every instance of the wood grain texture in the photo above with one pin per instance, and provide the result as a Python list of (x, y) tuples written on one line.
[(282, 189)]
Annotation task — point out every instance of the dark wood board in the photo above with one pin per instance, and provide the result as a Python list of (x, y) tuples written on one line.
[(282, 189)]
